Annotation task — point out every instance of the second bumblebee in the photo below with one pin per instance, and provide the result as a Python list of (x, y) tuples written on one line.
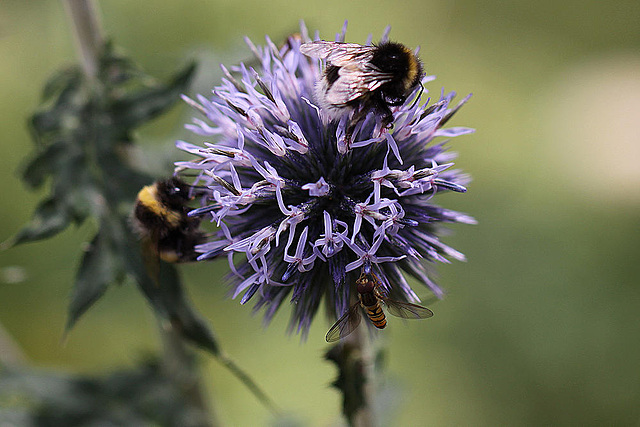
[(160, 216)]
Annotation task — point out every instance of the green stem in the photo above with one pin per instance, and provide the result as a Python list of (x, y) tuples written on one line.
[(361, 342), (88, 34), (248, 382)]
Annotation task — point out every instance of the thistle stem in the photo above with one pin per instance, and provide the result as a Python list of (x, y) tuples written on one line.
[(361, 341), (88, 35)]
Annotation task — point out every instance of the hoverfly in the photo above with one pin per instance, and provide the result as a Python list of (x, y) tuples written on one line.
[(369, 299)]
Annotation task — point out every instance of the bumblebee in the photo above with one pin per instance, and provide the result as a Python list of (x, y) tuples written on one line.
[(369, 299), (364, 78), (160, 217)]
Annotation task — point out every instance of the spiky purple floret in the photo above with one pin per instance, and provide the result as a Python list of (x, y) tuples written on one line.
[(304, 209)]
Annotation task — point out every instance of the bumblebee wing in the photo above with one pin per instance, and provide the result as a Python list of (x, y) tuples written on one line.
[(337, 53), (345, 325), (407, 310), (356, 75), (355, 80)]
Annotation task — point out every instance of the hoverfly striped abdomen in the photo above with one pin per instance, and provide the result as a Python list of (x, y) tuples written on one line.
[(370, 302), (377, 317)]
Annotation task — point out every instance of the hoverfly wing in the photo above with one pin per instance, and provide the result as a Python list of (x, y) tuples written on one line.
[(407, 310), (345, 325)]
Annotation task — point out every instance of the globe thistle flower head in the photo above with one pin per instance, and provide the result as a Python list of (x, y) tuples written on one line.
[(302, 211)]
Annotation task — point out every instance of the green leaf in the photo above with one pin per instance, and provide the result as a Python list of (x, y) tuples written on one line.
[(144, 396), (117, 69), (43, 164), (62, 81), (49, 219), (135, 109), (162, 287), (99, 268), (180, 311), (63, 96)]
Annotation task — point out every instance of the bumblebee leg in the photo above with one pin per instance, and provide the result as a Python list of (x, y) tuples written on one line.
[(387, 119), (385, 112), (359, 115)]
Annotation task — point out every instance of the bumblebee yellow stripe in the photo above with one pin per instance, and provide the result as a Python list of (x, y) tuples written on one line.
[(148, 197), (412, 72)]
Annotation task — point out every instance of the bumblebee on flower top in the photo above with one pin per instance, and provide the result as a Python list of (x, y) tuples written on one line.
[(364, 78)]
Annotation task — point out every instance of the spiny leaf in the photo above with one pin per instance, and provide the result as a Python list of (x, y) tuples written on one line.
[(80, 132), (48, 220), (181, 313), (63, 96), (134, 109), (117, 69), (44, 163), (124, 182)]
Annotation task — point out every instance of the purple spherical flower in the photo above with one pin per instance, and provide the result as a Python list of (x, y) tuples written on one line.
[(304, 212)]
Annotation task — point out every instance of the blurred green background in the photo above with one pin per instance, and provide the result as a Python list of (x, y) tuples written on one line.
[(540, 327)]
